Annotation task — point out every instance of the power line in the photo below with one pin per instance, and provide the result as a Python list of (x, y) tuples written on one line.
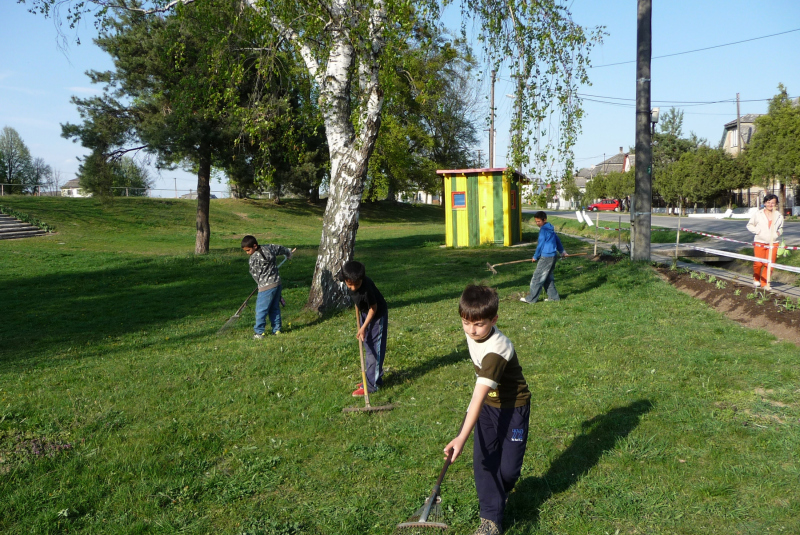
[(695, 102), (698, 49)]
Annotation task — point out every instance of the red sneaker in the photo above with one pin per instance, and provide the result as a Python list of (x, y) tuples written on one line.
[(358, 392)]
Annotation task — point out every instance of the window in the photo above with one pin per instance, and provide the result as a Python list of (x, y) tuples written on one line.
[(513, 200), (459, 200), (734, 137)]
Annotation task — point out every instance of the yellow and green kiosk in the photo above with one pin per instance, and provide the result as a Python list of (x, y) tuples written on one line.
[(482, 206)]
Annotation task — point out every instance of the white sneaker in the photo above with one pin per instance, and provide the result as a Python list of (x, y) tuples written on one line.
[(757, 284), (523, 299)]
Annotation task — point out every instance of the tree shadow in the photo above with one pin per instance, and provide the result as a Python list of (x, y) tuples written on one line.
[(600, 435)]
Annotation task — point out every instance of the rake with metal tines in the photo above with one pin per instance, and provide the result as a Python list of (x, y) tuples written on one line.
[(367, 407), (427, 519)]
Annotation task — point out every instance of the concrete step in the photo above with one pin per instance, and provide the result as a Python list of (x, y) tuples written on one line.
[(18, 228), (24, 234), (15, 224), (12, 229)]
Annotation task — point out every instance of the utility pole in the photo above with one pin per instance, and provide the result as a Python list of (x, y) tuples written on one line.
[(643, 191), (491, 126), (176, 186), (480, 160), (739, 137)]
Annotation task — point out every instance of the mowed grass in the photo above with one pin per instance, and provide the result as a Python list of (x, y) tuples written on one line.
[(658, 235), (121, 410)]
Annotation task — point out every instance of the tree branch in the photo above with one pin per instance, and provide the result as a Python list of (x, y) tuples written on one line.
[(152, 11)]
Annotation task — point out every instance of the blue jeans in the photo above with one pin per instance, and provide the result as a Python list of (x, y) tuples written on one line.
[(543, 278), (268, 302), (375, 350)]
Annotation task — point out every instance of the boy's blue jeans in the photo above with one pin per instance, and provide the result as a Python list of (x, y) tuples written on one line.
[(375, 350), (268, 303), (543, 278)]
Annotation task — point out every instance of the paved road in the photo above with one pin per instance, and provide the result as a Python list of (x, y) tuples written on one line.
[(730, 228)]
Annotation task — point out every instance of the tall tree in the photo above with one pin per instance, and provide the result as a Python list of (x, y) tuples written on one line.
[(114, 178), (774, 152), (40, 174), (17, 162), (344, 46), (178, 85)]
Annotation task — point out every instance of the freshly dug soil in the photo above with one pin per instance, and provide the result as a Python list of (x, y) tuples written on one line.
[(783, 323)]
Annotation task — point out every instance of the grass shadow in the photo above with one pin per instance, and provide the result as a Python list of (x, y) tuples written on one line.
[(405, 375), (600, 435)]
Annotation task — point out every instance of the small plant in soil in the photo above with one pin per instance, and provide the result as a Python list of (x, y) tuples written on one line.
[(694, 275), (737, 291), (711, 279), (701, 276), (721, 285), (751, 296)]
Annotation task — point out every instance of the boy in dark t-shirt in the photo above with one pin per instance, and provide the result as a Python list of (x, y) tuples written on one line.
[(374, 314), (499, 410)]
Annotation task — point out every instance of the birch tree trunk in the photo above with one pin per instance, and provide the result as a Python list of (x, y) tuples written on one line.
[(350, 76)]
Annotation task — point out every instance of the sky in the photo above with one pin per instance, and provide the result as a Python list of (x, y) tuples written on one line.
[(37, 77)]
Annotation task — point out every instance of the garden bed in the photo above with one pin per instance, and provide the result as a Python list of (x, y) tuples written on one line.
[(754, 308)]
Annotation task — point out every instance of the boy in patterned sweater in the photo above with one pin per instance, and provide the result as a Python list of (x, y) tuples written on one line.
[(499, 409), (265, 272)]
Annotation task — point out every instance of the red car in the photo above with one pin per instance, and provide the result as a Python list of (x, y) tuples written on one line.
[(605, 204)]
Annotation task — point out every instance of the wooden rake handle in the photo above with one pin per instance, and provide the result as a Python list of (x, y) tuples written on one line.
[(363, 363)]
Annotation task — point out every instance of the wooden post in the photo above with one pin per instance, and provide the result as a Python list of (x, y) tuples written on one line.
[(769, 251), (642, 200), (619, 233), (678, 238), (597, 222)]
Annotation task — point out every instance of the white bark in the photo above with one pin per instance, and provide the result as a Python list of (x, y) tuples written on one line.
[(350, 145)]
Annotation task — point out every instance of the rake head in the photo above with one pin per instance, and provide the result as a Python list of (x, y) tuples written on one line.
[(491, 268), (431, 524), (228, 324)]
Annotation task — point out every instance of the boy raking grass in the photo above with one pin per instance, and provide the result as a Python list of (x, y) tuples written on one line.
[(499, 410), (264, 270)]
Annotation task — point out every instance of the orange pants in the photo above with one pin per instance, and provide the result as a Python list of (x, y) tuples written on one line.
[(760, 269)]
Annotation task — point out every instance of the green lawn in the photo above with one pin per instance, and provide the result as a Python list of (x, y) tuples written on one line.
[(658, 235), (121, 411)]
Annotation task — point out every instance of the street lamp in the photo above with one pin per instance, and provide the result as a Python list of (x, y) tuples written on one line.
[(653, 119)]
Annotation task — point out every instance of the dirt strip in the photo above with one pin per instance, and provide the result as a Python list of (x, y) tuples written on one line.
[(776, 319)]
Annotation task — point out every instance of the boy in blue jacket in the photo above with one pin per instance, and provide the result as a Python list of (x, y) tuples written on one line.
[(548, 250)]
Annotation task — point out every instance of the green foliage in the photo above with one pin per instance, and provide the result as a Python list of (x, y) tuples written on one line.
[(428, 119), (613, 185), (17, 164), (105, 178), (571, 191), (773, 151)]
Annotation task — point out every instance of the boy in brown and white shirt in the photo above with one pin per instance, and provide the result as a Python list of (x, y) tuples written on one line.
[(499, 410)]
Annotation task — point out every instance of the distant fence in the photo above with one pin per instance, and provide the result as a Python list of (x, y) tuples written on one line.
[(45, 191)]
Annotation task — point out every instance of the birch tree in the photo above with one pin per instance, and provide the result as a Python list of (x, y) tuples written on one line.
[(344, 45)]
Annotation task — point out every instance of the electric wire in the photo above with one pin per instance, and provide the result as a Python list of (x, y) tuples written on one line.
[(697, 49)]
